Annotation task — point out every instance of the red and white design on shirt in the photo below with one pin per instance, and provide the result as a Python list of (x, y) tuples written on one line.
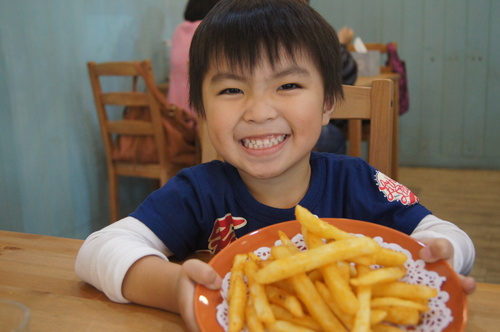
[(223, 232), (394, 191)]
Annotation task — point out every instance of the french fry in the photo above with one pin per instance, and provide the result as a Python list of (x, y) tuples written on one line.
[(379, 276), (254, 257), (345, 270), (253, 322), (284, 326), (388, 257), (285, 240), (284, 299), (394, 301), (377, 316), (366, 260), (339, 288), (323, 290), (362, 317), (308, 260), (237, 294), (318, 226), (281, 313), (315, 275), (385, 328), (258, 294), (402, 315), (284, 285), (307, 293), (405, 291)]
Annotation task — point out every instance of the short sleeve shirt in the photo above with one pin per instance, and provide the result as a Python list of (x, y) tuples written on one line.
[(206, 207)]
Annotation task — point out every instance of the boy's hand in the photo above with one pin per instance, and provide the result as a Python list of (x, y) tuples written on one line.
[(436, 249), (194, 272)]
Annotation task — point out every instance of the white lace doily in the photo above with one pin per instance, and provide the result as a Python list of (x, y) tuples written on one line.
[(434, 320)]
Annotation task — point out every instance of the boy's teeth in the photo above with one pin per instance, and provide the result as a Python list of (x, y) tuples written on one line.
[(263, 143)]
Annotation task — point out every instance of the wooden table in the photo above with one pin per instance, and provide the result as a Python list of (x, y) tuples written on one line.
[(38, 271)]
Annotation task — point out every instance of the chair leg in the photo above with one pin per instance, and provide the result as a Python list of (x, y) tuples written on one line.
[(114, 206)]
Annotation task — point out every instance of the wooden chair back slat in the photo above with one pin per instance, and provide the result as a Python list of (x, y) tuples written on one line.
[(125, 98)]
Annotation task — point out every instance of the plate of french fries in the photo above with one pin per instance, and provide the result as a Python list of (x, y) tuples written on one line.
[(314, 274)]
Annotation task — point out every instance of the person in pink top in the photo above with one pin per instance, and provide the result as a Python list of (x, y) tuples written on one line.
[(178, 91)]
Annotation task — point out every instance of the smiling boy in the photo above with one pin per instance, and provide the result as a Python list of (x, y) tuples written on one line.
[(265, 74), (266, 123)]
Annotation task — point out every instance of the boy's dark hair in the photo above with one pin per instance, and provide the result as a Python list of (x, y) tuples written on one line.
[(240, 31), (196, 10)]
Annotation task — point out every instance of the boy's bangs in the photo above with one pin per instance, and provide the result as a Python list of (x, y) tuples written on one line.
[(262, 34), (246, 62)]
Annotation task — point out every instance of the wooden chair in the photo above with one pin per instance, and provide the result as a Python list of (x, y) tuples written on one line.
[(106, 102), (373, 103), (386, 71)]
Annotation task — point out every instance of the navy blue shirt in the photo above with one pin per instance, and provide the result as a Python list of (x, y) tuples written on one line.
[(205, 207)]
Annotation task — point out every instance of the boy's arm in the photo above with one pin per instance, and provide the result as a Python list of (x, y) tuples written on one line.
[(152, 281), (128, 262), (432, 227), (106, 255)]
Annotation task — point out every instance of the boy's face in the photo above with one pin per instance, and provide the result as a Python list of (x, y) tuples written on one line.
[(267, 123)]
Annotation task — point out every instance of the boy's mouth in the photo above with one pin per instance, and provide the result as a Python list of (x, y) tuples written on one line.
[(262, 143)]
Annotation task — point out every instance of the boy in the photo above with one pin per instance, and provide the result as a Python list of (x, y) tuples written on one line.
[(266, 76)]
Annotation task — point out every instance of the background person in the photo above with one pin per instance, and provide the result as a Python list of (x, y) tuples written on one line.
[(178, 90)]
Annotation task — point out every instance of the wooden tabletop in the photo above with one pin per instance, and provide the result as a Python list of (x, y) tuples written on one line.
[(38, 271)]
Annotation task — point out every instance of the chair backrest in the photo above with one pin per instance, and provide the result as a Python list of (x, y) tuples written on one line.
[(374, 103), (126, 96), (382, 48)]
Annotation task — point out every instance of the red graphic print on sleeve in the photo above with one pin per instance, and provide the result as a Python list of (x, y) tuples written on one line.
[(394, 191), (223, 232)]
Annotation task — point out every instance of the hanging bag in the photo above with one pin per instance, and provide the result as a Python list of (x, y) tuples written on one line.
[(181, 136), (399, 66)]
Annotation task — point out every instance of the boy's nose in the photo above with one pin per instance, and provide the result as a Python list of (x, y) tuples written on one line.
[(259, 110)]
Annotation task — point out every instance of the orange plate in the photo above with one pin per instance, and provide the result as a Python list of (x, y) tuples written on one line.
[(206, 301)]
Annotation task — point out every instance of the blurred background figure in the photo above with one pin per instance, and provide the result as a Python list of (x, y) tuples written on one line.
[(178, 90), (332, 139)]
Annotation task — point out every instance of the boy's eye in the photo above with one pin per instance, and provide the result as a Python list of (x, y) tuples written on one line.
[(230, 91), (289, 86)]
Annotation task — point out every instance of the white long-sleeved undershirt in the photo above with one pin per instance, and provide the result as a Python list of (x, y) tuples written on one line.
[(107, 254)]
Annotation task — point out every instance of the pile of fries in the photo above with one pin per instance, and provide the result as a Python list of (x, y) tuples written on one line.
[(341, 283)]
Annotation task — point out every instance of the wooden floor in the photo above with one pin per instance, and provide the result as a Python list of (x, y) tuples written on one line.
[(468, 198)]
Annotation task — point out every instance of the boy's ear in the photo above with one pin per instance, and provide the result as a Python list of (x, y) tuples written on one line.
[(327, 112)]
